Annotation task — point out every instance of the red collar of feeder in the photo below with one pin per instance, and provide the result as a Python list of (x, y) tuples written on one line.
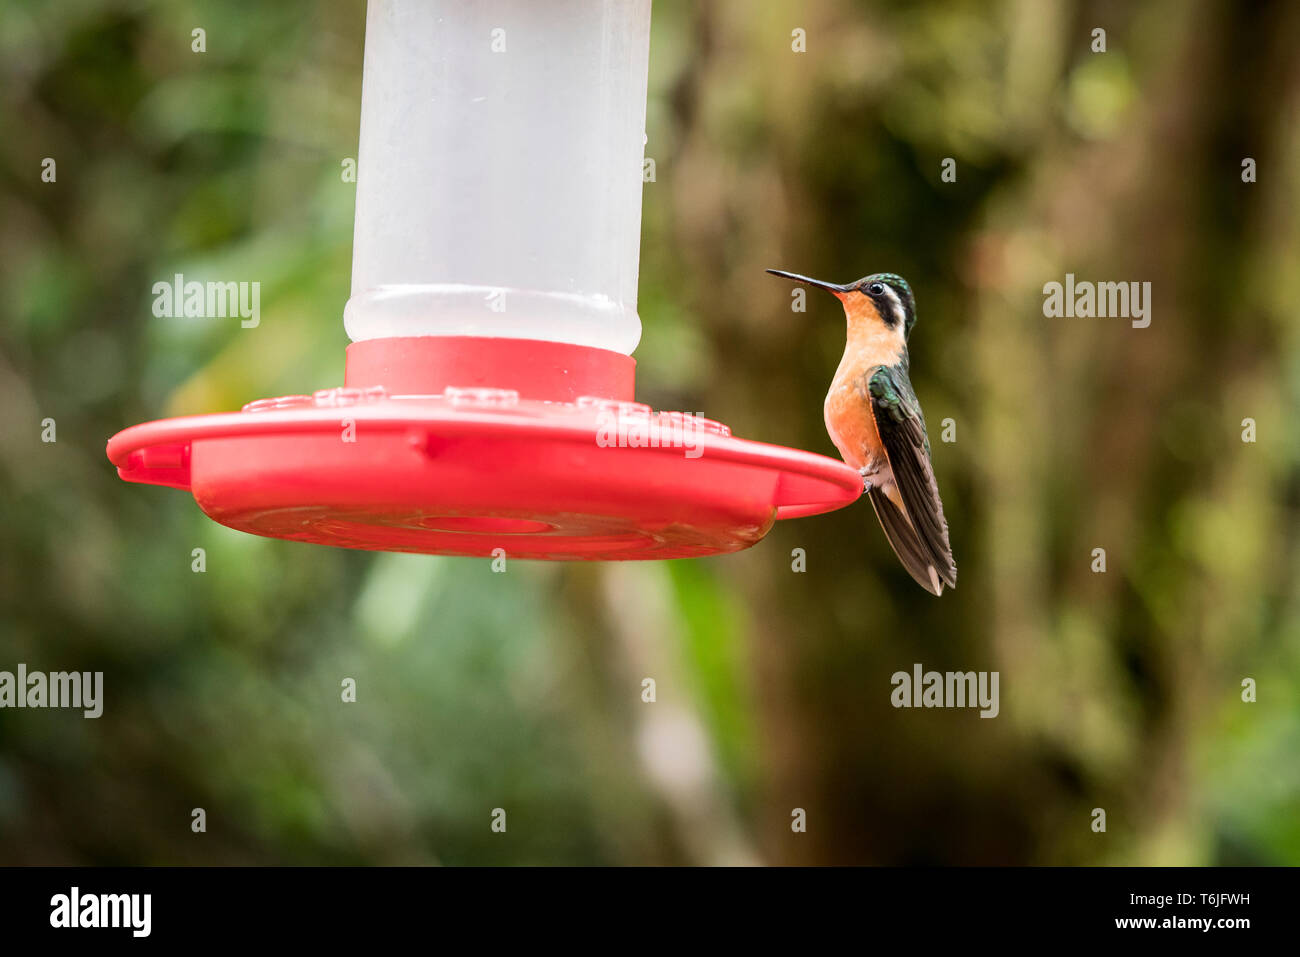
[(549, 371), (464, 445)]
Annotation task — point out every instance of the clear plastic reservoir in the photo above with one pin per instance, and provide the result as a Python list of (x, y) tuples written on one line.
[(499, 172)]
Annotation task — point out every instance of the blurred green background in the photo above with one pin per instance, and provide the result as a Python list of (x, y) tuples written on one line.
[(523, 691)]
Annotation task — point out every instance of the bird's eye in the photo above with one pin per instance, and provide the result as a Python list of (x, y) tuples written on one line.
[(876, 288)]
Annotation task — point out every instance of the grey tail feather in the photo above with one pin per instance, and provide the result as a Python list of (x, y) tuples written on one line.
[(907, 545)]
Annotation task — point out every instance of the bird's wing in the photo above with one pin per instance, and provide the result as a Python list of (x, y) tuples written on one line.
[(925, 552), (907, 546)]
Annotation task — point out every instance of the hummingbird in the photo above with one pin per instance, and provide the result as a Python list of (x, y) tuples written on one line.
[(874, 418)]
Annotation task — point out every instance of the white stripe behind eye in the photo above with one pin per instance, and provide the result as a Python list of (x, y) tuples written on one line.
[(896, 304)]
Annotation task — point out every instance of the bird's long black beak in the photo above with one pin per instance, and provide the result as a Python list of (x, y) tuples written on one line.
[(807, 281)]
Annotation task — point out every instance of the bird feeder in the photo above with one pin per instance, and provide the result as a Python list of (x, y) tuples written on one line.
[(488, 398)]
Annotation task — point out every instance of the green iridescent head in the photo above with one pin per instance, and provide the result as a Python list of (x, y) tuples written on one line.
[(892, 296)]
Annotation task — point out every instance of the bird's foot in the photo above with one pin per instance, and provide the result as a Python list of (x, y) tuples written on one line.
[(866, 480)]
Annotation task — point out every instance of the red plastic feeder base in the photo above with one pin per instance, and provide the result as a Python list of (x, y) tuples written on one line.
[(426, 449)]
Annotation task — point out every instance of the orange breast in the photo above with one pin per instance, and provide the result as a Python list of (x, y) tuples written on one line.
[(870, 344), (851, 425)]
